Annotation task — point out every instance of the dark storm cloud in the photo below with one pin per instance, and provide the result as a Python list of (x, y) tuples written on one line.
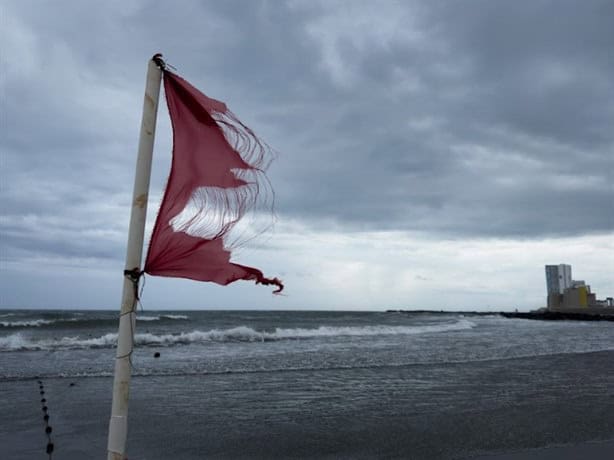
[(544, 65), (507, 80), (464, 119)]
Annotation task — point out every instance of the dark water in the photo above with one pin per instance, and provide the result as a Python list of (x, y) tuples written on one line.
[(313, 384)]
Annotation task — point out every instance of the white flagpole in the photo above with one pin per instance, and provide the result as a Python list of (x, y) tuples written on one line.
[(118, 425)]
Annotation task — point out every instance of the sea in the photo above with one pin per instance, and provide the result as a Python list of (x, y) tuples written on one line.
[(306, 384)]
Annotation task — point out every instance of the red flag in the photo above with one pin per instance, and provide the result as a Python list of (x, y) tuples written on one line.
[(217, 176)]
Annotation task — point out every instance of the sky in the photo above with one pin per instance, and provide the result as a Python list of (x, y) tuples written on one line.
[(430, 154)]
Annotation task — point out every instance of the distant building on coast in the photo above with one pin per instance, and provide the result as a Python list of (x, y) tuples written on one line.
[(568, 295), (558, 278)]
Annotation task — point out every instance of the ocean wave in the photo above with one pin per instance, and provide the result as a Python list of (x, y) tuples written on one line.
[(148, 318), (174, 317), (26, 323), (17, 341), (330, 331), (161, 317), (81, 321)]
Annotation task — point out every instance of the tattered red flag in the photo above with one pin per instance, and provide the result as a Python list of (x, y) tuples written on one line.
[(217, 176)]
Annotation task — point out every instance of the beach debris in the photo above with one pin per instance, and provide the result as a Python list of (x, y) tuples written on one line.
[(157, 354)]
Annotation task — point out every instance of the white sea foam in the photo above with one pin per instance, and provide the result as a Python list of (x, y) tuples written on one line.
[(237, 334), (13, 342), (26, 323), (174, 316), (147, 318), (19, 342), (158, 318)]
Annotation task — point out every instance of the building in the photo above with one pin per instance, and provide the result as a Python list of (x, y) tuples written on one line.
[(558, 278), (576, 296), (568, 295)]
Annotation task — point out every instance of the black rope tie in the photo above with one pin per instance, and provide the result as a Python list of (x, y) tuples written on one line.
[(157, 58), (161, 63), (134, 275)]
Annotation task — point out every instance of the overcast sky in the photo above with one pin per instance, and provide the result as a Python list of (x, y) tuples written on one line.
[(432, 154)]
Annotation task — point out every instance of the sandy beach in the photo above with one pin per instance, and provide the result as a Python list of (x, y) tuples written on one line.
[(258, 415)]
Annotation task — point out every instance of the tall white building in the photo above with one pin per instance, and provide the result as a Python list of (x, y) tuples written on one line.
[(558, 278)]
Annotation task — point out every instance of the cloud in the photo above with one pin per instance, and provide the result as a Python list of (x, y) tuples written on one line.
[(483, 122)]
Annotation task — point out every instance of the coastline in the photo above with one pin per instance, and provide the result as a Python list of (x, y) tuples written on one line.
[(559, 315), (545, 315)]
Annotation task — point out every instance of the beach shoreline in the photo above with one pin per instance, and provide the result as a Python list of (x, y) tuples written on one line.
[(315, 414)]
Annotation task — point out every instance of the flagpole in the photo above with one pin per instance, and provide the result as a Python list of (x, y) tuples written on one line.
[(118, 424)]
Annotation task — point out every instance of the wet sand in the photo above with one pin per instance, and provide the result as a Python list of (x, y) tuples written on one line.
[(259, 415), (603, 450)]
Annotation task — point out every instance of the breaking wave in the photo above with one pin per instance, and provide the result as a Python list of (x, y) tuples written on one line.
[(18, 341)]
